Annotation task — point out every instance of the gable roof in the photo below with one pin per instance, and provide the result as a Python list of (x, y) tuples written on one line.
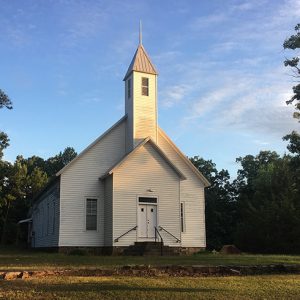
[(185, 159), (142, 143), (91, 145), (141, 63)]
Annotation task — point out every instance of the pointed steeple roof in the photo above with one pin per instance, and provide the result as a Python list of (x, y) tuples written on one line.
[(141, 62)]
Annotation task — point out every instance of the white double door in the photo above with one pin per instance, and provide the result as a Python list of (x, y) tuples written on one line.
[(147, 220)]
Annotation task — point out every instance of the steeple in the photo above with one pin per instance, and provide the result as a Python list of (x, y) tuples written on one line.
[(141, 63), (140, 98)]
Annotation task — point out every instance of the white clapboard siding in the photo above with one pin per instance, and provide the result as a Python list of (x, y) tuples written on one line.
[(145, 108), (191, 193), (141, 110), (129, 114), (45, 218), (80, 181), (145, 169)]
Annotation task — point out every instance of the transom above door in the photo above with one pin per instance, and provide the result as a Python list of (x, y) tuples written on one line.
[(147, 217)]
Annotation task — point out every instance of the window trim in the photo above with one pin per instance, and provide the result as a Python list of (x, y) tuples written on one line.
[(85, 213), (129, 88), (182, 217), (145, 86)]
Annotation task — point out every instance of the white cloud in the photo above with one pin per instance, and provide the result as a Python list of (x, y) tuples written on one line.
[(174, 94)]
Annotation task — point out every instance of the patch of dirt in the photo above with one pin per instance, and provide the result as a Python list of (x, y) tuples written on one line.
[(150, 271)]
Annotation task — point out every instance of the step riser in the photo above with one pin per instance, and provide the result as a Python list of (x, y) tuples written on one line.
[(148, 249)]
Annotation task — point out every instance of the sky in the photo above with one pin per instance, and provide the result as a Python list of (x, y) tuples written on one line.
[(222, 85)]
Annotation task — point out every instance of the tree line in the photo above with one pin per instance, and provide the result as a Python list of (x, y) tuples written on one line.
[(258, 211)]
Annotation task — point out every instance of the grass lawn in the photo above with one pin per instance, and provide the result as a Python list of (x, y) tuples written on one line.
[(118, 287), (14, 259), (126, 287)]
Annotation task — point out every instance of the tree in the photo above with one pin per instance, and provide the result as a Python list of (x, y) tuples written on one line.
[(4, 142), (20, 184), (268, 204), (5, 101), (57, 162), (293, 43), (294, 142), (220, 205)]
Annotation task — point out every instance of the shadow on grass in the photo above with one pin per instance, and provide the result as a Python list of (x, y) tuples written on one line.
[(95, 287)]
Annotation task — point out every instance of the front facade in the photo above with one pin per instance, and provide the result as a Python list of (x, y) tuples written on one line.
[(128, 185)]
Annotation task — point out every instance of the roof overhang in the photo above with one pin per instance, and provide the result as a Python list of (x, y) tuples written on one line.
[(142, 143)]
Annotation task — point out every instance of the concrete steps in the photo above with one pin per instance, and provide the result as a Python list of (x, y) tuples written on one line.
[(149, 248)]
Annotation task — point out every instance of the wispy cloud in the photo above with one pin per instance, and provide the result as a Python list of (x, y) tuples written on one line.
[(237, 85)]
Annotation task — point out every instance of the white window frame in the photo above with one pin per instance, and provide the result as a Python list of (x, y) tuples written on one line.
[(145, 86), (97, 213)]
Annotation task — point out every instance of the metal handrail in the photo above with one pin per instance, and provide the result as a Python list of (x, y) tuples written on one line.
[(117, 239), (161, 240), (177, 239)]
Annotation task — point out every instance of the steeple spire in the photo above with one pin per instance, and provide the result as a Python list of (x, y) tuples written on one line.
[(141, 61), (140, 34)]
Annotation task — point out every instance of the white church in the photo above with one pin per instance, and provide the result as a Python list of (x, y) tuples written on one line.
[(132, 186)]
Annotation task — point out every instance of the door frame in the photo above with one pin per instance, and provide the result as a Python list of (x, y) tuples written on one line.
[(137, 213)]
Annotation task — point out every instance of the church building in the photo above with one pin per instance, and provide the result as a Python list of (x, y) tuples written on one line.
[(130, 187)]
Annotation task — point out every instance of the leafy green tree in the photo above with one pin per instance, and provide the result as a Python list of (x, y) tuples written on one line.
[(294, 142), (268, 205), (293, 43), (220, 204), (19, 187), (57, 162), (5, 100), (4, 140)]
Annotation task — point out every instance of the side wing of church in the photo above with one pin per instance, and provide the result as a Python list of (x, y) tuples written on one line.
[(130, 186)]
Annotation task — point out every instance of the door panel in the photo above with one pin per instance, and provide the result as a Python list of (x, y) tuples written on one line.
[(151, 220), (142, 221)]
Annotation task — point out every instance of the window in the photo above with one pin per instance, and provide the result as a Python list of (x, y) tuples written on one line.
[(182, 221), (53, 218), (147, 200), (145, 86), (91, 214), (129, 88), (48, 218)]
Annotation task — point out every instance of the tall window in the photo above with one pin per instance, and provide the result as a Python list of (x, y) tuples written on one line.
[(53, 218), (145, 86), (182, 221), (48, 218), (129, 88), (91, 214)]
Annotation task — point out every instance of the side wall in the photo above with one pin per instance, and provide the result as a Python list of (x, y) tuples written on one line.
[(191, 194), (81, 181), (145, 170), (45, 218)]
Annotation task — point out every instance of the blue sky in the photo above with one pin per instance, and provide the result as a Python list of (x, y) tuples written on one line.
[(222, 84)]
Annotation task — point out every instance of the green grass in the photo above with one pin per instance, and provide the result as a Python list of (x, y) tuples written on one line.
[(14, 259), (250, 287)]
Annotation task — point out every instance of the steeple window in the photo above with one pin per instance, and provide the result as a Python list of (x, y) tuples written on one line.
[(129, 88), (145, 86)]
